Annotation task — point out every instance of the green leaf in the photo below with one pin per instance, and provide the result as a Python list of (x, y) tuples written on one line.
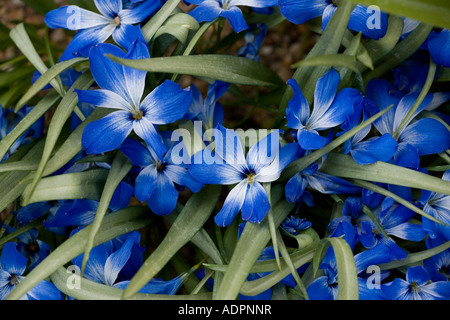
[(190, 220), (62, 113), (115, 224), (79, 185), (38, 111), (341, 165), (178, 25), (90, 290), (157, 20), (226, 68), (252, 242), (347, 277), (119, 169), (47, 77), (433, 12), (22, 40), (330, 60), (413, 258)]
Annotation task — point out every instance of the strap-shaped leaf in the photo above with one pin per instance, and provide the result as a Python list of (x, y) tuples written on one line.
[(22, 40), (38, 111), (433, 12), (79, 185), (47, 77), (190, 220), (225, 68), (90, 290), (115, 224), (119, 169), (341, 165), (252, 242), (62, 113), (346, 267)]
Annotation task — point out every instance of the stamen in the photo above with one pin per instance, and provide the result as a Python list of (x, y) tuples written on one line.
[(117, 20)]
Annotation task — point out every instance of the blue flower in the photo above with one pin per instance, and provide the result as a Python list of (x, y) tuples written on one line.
[(416, 286), (416, 138), (439, 47), (253, 42), (371, 23), (394, 219), (114, 262), (122, 89), (292, 225), (208, 10), (9, 119), (438, 266), (30, 246), (263, 163), (326, 287), (295, 189), (330, 110), (366, 151), (157, 180), (94, 28), (437, 205), (12, 268), (209, 111)]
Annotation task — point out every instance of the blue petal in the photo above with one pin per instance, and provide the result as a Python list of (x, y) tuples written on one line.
[(379, 149), (418, 275), (233, 203), (256, 203), (117, 260), (103, 99), (138, 154), (298, 110), (439, 47), (372, 24), (262, 153), (126, 34), (295, 187), (235, 18), (228, 147), (11, 260), (109, 8), (255, 3), (74, 18), (84, 40), (148, 132), (121, 196), (108, 133), (311, 139), (211, 173), (164, 197), (342, 106), (44, 290), (320, 289), (301, 11), (108, 74), (146, 183), (405, 105), (328, 184), (408, 231), (140, 13), (183, 177), (167, 103), (134, 78), (207, 11), (428, 136), (324, 94)]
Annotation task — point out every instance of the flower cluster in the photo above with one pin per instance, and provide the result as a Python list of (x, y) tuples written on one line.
[(138, 161)]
